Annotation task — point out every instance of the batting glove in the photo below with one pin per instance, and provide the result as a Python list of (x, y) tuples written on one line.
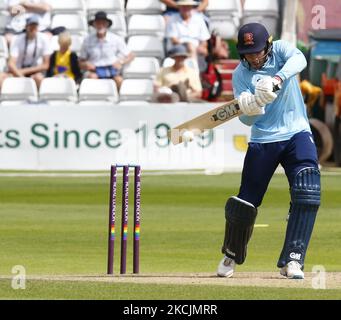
[(264, 90), (248, 104)]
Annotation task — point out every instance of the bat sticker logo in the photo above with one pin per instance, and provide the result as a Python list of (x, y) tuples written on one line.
[(225, 113)]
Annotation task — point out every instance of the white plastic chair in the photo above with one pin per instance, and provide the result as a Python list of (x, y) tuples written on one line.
[(58, 89), (136, 89), (227, 28), (260, 7), (119, 25), (4, 17), (3, 48), (74, 23), (224, 8), (18, 90), (98, 90), (141, 68), (3, 54), (3, 5), (146, 25), (109, 6), (3, 65), (67, 6), (144, 7), (146, 46), (134, 103)]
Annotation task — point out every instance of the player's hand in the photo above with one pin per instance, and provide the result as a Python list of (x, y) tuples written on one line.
[(117, 65), (264, 90), (90, 66), (248, 104)]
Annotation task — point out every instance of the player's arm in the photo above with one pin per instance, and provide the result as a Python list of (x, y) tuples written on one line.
[(170, 3), (295, 60), (39, 68), (194, 84), (175, 40), (84, 63), (36, 7), (12, 67), (124, 54), (128, 58), (203, 48), (202, 6), (172, 33), (16, 10)]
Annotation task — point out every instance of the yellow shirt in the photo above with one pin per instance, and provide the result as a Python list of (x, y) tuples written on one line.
[(168, 77), (63, 64)]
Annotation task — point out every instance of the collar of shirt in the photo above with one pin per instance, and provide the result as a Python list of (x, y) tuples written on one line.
[(105, 39)]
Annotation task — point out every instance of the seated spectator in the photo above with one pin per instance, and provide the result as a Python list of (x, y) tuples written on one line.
[(178, 82), (20, 11), (64, 63), (189, 29), (172, 7), (29, 53), (103, 53)]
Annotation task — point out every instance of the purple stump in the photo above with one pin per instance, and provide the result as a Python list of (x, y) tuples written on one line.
[(112, 218), (137, 207), (124, 229)]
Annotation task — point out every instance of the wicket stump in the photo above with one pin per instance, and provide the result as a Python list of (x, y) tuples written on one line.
[(125, 214)]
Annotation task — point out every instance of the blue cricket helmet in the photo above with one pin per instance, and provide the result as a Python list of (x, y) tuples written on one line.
[(252, 38)]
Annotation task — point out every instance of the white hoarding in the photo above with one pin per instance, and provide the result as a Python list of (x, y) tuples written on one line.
[(41, 137)]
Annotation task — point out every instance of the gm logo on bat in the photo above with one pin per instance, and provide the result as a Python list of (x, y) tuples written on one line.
[(225, 112)]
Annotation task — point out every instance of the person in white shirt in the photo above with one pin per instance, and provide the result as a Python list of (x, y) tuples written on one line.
[(103, 53), (20, 11), (29, 53), (189, 29)]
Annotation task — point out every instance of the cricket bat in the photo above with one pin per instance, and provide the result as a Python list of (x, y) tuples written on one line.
[(208, 120), (205, 121)]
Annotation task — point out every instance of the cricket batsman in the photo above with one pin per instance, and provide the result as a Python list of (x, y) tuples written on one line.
[(280, 134)]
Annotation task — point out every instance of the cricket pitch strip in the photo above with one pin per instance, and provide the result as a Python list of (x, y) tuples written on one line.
[(328, 280)]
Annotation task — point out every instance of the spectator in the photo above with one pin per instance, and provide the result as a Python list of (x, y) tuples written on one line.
[(178, 82), (103, 53), (189, 29), (64, 63), (29, 53), (172, 7), (20, 11)]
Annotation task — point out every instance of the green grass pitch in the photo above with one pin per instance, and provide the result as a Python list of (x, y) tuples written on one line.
[(58, 226)]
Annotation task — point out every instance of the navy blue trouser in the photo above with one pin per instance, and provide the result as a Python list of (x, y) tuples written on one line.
[(262, 159)]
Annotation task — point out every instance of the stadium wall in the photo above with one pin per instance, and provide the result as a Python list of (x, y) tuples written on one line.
[(42, 137)]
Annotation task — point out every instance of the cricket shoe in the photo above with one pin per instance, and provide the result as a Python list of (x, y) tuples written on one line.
[(292, 271), (226, 267)]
